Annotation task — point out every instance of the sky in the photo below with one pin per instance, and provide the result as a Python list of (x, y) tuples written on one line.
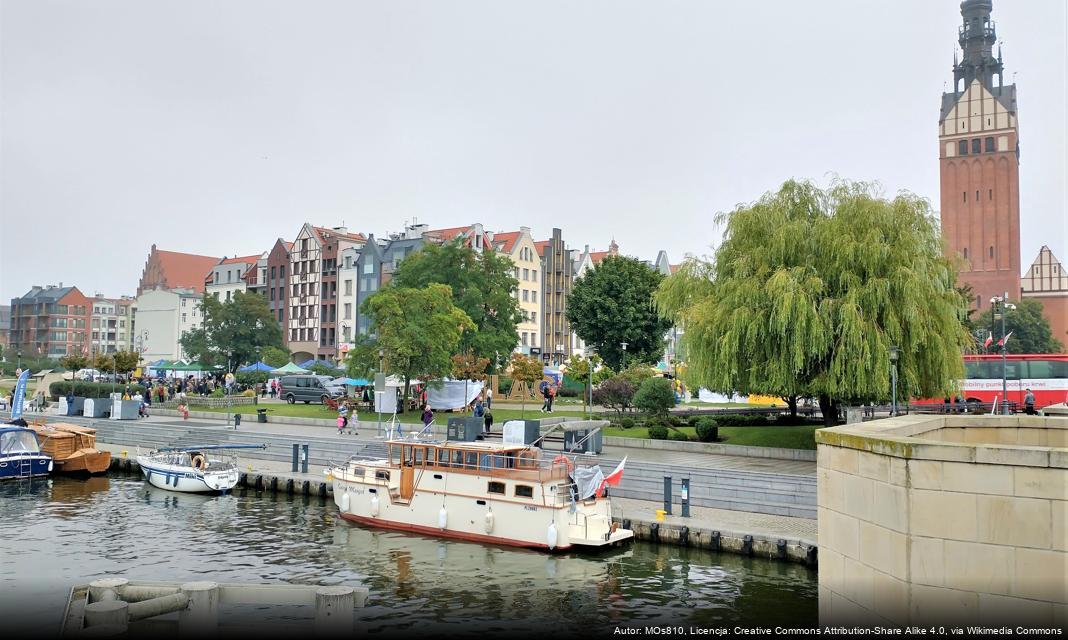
[(217, 127)]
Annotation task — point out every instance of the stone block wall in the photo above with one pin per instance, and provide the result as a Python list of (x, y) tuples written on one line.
[(940, 520)]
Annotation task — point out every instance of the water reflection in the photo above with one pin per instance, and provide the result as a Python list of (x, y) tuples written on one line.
[(70, 531)]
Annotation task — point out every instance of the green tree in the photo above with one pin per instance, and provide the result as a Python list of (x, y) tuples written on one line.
[(231, 332), (1031, 332), (655, 396), (362, 358), (468, 366), (74, 362), (809, 290), (418, 330), (528, 370), (612, 304), (275, 356), (126, 361), (482, 287), (579, 369)]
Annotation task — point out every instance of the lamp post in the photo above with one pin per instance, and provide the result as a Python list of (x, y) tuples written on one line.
[(624, 345), (589, 365), (380, 399), (19, 354), (894, 351), (1000, 305)]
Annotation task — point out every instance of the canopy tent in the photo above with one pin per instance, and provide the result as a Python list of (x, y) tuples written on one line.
[(397, 381), (449, 394), (308, 364), (259, 366), (289, 368), (353, 382)]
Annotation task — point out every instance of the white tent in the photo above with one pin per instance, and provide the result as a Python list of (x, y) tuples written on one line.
[(449, 394)]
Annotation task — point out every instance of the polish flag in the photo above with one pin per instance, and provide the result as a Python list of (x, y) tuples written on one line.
[(612, 478), (989, 339), (1005, 340)]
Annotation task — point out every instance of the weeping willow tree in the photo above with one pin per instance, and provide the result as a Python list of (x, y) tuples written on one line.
[(809, 290)]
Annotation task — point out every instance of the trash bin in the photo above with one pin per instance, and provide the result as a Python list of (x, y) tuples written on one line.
[(261, 415), (237, 420)]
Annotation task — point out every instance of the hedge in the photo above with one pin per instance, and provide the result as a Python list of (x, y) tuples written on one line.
[(707, 430), (91, 389), (658, 431)]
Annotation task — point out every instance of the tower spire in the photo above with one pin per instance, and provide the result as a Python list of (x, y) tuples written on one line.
[(976, 37)]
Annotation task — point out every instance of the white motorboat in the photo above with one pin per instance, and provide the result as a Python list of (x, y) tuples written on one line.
[(480, 491), (193, 469)]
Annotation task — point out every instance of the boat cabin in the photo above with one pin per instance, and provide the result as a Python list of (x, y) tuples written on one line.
[(18, 440)]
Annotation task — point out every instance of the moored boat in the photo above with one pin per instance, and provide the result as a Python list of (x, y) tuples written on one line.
[(73, 448), (201, 469), (20, 454), (480, 491)]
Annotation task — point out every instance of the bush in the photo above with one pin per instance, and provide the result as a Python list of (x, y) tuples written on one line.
[(655, 396), (707, 430), (679, 436), (248, 393), (218, 393), (657, 431), (616, 394), (742, 420), (252, 377), (92, 389), (567, 392), (627, 423)]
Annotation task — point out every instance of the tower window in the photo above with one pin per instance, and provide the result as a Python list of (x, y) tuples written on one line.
[(976, 145), (989, 145), (989, 194), (977, 195), (965, 253), (962, 147), (991, 252), (965, 196)]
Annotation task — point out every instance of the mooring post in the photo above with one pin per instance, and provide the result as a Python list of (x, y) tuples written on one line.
[(106, 589), (296, 456), (685, 497), (112, 613), (333, 610), (201, 618), (304, 461), (667, 495)]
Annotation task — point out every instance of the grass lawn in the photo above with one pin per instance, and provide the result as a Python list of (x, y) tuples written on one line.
[(301, 410), (785, 437)]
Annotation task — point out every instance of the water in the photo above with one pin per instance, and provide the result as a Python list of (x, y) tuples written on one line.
[(64, 531)]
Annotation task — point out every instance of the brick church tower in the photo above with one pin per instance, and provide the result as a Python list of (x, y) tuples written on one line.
[(979, 158)]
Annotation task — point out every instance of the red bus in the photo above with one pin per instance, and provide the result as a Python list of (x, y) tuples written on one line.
[(1044, 373)]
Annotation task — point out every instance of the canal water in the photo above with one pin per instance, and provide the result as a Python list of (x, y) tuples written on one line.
[(62, 531)]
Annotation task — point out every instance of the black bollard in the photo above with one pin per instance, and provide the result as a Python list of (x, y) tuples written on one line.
[(811, 556), (289, 486), (715, 542), (747, 545), (237, 421), (654, 532), (684, 536), (780, 548), (667, 495), (685, 497), (296, 456)]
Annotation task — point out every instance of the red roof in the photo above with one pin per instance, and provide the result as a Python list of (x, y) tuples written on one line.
[(674, 267), (542, 246), (243, 260), (505, 241), (184, 270), (448, 234), (597, 256), (356, 237)]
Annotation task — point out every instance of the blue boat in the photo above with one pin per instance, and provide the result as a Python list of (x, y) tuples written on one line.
[(20, 454)]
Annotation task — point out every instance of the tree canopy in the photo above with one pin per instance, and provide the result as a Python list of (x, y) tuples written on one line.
[(232, 331), (1031, 332), (418, 330), (528, 370), (613, 303), (482, 286), (808, 291), (275, 356)]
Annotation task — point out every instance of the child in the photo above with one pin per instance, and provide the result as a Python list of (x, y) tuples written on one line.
[(340, 424), (184, 410)]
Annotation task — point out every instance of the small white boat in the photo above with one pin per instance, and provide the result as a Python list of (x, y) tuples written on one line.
[(193, 469)]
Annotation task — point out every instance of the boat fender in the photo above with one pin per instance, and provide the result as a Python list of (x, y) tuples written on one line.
[(443, 518), (199, 462), (551, 535), (374, 506), (50, 465), (344, 502), (489, 522)]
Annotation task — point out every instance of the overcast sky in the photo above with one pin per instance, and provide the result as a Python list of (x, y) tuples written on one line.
[(216, 127)]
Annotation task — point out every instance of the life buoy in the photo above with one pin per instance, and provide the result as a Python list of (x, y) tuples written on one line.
[(489, 522), (567, 461), (199, 461)]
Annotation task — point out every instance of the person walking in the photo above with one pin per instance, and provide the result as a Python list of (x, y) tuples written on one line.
[(479, 409), (342, 417), (489, 398), (1029, 403), (487, 422), (428, 416), (552, 396), (545, 394)]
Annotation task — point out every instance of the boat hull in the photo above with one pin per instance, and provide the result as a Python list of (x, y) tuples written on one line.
[(90, 462), (447, 533), (186, 480), (30, 465)]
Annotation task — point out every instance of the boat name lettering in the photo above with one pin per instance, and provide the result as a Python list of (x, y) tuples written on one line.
[(529, 508)]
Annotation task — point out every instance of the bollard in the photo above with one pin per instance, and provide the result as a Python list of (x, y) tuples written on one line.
[(304, 460), (333, 610), (780, 549), (626, 523), (747, 545), (667, 495), (106, 589), (305, 487), (322, 489), (716, 542), (296, 455), (685, 497), (201, 618), (289, 486), (654, 532), (237, 421), (684, 536), (811, 556), (109, 612), (259, 483), (274, 484)]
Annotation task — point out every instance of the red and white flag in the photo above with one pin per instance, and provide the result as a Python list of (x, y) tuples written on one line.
[(989, 339), (1005, 340), (612, 478)]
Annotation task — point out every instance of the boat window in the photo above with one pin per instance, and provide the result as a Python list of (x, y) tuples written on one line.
[(443, 457), (495, 487), (471, 461), (18, 442), (381, 475), (457, 458), (524, 491), (357, 471), (394, 455), (485, 461), (420, 452)]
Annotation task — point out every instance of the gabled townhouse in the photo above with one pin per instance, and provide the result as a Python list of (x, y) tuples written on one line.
[(519, 246), (230, 275), (111, 325), (168, 301)]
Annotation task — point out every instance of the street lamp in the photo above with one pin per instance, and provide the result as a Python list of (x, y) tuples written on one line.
[(19, 354), (589, 365), (624, 345), (380, 399), (894, 351), (1000, 305)]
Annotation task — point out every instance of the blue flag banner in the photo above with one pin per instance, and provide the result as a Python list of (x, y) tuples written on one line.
[(20, 394)]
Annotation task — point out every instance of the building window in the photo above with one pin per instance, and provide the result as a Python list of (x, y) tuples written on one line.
[(533, 295), (495, 487), (183, 317), (183, 302), (534, 317), (534, 275), (962, 147), (348, 287), (282, 271), (526, 274), (368, 266), (216, 277), (272, 293), (965, 253), (977, 146), (989, 145), (991, 252), (274, 272), (523, 337), (965, 196), (526, 296)]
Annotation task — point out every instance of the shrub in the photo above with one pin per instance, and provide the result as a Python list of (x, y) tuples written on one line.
[(248, 393), (252, 377), (218, 393), (92, 389), (741, 420), (655, 396), (567, 392), (680, 436), (707, 430), (616, 394), (657, 431), (627, 423)]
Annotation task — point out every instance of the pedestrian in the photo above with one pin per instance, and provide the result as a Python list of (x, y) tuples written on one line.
[(489, 397), (354, 418), (342, 417), (545, 406), (1029, 403), (184, 410), (552, 395), (274, 388), (428, 416), (487, 421), (479, 409)]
